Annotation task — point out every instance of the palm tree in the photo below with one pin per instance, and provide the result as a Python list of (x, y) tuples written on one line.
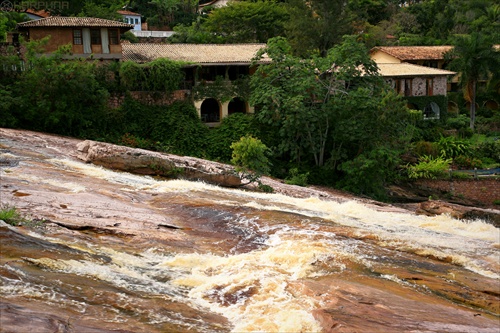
[(475, 58)]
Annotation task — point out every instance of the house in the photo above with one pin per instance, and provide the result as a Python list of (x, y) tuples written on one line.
[(36, 14), (89, 37), (412, 80), (203, 63), (132, 18), (429, 56)]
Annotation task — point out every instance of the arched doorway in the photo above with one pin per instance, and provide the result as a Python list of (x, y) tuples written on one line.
[(210, 111), (237, 105)]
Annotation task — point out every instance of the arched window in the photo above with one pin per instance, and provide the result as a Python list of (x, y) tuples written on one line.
[(237, 105), (210, 111), (431, 111)]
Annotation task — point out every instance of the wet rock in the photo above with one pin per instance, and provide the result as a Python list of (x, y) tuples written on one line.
[(146, 162), (437, 207)]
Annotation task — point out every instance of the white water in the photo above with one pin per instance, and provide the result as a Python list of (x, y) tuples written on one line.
[(258, 290)]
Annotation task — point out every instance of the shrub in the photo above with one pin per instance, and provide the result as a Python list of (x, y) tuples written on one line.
[(489, 149), (450, 147), (426, 148), (296, 178), (465, 162), (231, 129), (249, 158), (429, 168)]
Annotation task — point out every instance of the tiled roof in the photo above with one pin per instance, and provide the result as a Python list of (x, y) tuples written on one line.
[(61, 21), (405, 53), (128, 12), (406, 69), (194, 53)]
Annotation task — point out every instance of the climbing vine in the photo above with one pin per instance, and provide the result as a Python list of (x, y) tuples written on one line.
[(222, 89)]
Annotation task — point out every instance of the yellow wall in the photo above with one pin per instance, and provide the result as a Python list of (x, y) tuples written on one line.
[(382, 57)]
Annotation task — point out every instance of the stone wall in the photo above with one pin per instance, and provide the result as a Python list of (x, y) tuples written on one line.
[(483, 191)]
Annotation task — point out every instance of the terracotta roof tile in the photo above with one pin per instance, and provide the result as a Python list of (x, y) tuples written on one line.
[(194, 53), (406, 69), (60, 21), (405, 53)]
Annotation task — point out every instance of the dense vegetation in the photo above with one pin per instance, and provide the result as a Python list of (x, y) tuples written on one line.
[(316, 123)]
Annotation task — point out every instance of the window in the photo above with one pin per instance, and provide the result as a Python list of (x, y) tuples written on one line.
[(95, 36), (113, 37), (77, 37), (136, 21)]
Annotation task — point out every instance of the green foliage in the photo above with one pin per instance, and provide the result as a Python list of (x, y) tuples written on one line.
[(222, 89), (249, 158), (488, 149), (8, 21), (11, 215), (369, 172), (459, 122), (105, 10), (163, 75), (247, 22), (159, 75), (316, 26), (296, 178), (426, 148), (231, 129), (175, 128), (475, 58), (429, 168), (451, 147), (128, 35), (466, 162), (49, 96), (265, 188), (178, 126)]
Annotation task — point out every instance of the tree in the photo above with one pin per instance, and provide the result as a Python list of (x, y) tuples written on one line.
[(316, 26), (247, 22), (332, 113), (303, 98), (475, 58)]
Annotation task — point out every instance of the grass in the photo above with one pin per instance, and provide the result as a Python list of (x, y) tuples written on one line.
[(12, 216)]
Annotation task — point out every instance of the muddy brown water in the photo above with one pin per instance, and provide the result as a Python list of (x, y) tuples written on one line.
[(115, 252)]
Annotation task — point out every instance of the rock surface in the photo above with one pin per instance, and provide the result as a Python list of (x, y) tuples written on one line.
[(145, 162)]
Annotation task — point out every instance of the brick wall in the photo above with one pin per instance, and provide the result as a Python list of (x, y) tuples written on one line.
[(484, 191)]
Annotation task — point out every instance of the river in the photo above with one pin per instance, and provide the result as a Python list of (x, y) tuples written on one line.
[(115, 252)]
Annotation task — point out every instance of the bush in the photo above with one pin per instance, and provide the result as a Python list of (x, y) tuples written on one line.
[(296, 178), (450, 147), (426, 148), (231, 129), (465, 162), (489, 149), (429, 168), (249, 158), (369, 172)]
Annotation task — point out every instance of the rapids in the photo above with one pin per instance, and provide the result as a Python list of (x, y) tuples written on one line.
[(111, 251)]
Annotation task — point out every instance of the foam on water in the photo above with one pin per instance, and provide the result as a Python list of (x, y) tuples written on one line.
[(466, 242), (256, 290)]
